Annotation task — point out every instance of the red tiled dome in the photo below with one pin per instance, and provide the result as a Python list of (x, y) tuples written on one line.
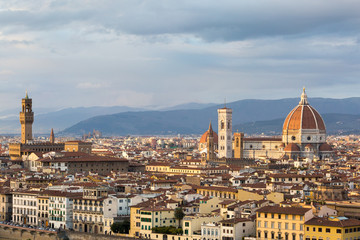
[(303, 116), (325, 148), (204, 137), (292, 147)]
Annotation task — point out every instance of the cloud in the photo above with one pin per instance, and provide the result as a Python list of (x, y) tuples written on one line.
[(89, 85), (154, 52)]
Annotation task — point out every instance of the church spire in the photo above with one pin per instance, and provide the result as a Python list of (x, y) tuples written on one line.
[(210, 128), (210, 144), (303, 100), (52, 136)]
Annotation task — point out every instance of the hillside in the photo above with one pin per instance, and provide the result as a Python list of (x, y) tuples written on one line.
[(250, 116)]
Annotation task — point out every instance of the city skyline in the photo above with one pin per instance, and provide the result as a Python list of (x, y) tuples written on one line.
[(153, 53)]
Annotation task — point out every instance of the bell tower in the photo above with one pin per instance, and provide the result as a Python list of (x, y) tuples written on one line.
[(225, 132), (210, 144), (26, 119)]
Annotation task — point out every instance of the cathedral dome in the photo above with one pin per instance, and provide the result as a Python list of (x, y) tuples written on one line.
[(304, 117), (325, 148), (204, 137)]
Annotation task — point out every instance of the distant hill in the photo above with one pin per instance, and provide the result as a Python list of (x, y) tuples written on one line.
[(45, 119), (248, 115)]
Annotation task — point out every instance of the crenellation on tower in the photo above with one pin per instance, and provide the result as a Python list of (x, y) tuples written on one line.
[(26, 119)]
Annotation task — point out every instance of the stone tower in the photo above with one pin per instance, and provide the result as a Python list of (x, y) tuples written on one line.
[(52, 136), (210, 144), (238, 145), (225, 132), (26, 119)]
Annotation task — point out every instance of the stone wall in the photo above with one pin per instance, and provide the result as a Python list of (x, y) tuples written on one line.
[(10, 233), (71, 235), (19, 233)]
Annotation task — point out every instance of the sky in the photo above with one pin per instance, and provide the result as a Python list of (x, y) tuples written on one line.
[(165, 52)]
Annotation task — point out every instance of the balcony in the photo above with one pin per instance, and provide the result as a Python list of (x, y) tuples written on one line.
[(88, 211)]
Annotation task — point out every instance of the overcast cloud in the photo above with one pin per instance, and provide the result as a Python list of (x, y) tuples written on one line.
[(167, 52)]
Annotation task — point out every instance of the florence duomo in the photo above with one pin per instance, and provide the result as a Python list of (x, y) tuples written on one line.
[(303, 137)]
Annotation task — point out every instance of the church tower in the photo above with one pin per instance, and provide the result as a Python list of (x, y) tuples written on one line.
[(52, 136), (210, 144), (238, 145), (26, 119), (225, 132)]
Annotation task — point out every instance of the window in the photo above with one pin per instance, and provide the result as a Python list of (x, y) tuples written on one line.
[(327, 230), (279, 216), (338, 230), (320, 229)]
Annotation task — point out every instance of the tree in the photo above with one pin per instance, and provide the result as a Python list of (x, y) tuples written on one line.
[(121, 227), (179, 214)]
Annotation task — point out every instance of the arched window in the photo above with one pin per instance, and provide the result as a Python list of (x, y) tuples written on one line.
[(222, 125), (237, 142)]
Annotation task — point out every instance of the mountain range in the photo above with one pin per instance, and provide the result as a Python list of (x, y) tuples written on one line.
[(250, 116)]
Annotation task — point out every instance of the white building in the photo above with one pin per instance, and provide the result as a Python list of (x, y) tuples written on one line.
[(237, 228), (25, 210), (211, 231), (61, 209)]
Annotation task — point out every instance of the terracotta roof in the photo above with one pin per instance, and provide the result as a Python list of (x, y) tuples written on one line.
[(204, 137), (333, 223), (284, 210), (292, 147), (303, 116), (325, 148)]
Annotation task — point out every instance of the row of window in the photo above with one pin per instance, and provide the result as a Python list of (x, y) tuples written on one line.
[(210, 232), (87, 218), (328, 230), (24, 202), (273, 235), (280, 225), (280, 216)]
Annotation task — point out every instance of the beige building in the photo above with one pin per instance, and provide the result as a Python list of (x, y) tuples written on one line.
[(43, 210), (78, 146), (5, 205), (88, 210)]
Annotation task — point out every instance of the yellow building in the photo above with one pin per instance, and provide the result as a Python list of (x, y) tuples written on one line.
[(135, 224), (282, 222), (78, 146), (5, 204), (154, 216), (332, 228)]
